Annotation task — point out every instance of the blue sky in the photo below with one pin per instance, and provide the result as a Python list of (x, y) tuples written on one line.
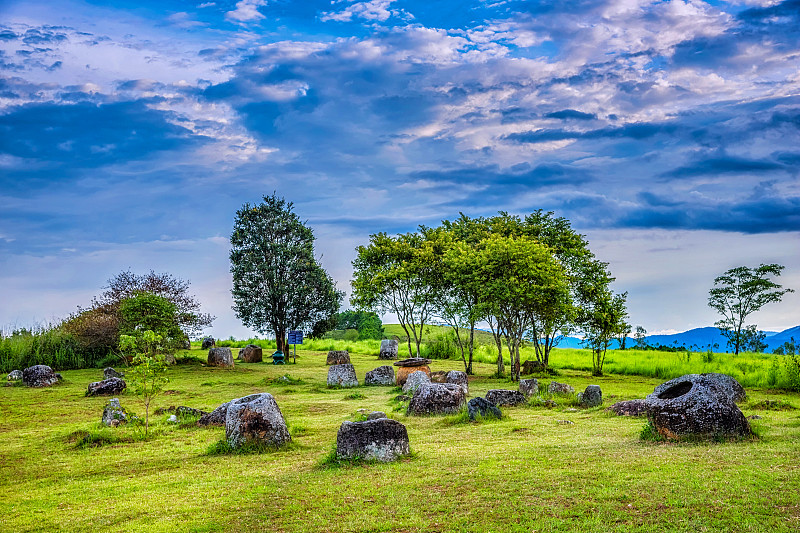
[(668, 132)]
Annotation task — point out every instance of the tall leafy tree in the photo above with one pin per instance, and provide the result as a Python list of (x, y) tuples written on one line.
[(398, 275), (602, 320), (740, 292), (278, 284), (520, 279)]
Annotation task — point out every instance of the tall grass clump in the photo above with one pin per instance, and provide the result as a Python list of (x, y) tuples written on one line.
[(47, 345)]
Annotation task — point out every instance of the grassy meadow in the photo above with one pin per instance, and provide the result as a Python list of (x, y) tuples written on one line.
[(537, 469)]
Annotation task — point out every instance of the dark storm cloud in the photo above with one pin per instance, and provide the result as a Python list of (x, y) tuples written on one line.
[(715, 166)]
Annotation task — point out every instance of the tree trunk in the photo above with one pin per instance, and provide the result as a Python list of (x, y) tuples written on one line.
[(471, 347)]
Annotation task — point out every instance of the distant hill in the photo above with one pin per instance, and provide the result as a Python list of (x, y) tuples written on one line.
[(698, 339)]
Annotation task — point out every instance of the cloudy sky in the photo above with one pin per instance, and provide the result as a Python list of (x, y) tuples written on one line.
[(668, 132)]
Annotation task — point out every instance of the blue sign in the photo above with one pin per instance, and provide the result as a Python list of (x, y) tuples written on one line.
[(296, 337)]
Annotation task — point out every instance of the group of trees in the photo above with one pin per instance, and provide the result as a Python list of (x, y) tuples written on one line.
[(131, 304), (531, 278)]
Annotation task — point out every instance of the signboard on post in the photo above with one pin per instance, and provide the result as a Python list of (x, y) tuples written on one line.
[(295, 337)]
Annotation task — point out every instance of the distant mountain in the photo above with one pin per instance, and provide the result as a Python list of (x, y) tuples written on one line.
[(698, 339)]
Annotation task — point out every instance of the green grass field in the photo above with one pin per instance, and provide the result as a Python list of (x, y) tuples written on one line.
[(531, 471)]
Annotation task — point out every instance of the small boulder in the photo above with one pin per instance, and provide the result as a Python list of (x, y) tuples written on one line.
[(383, 375), (560, 388), (529, 387), (503, 397), (592, 396), (107, 387), (113, 413), (109, 373), (251, 353), (388, 349), (208, 342), (695, 408), (459, 378), (414, 381), (215, 417), (381, 439), (532, 366), (342, 376), (14, 375), (186, 344), (338, 357), (173, 419), (255, 419), (39, 376), (629, 408), (404, 371), (374, 415), (437, 398), (483, 408), (725, 383), (220, 357)]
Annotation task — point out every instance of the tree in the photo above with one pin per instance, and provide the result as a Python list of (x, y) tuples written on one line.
[(146, 311), (520, 279), (397, 274), (603, 320), (753, 340), (146, 377), (278, 284), (367, 324), (738, 293), (128, 284), (640, 336)]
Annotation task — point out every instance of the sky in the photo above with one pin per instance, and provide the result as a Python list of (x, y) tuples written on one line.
[(667, 132)]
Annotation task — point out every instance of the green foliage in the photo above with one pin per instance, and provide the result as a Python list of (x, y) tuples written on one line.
[(355, 396), (148, 312), (366, 325), (603, 319), (278, 284), (650, 434), (441, 346), (397, 274), (146, 378), (51, 345), (792, 366), (737, 294)]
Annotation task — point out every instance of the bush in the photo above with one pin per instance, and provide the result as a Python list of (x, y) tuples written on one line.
[(51, 346), (441, 347)]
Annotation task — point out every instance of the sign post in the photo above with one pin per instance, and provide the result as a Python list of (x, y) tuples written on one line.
[(295, 338)]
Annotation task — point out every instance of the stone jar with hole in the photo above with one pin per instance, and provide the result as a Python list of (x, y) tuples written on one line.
[(696, 408)]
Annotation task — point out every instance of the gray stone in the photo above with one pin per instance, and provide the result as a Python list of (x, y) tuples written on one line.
[(560, 388), (39, 376), (338, 357), (696, 408), (503, 397), (113, 413), (374, 415), (109, 372), (414, 381), (169, 359), (220, 357), (215, 417), (483, 408), (14, 375), (529, 387), (725, 383), (188, 412), (531, 366), (186, 344), (388, 349), (592, 396), (413, 361), (107, 387), (382, 439), (172, 419), (436, 398), (383, 375), (255, 419), (208, 342), (459, 378), (252, 353), (342, 376), (629, 408)]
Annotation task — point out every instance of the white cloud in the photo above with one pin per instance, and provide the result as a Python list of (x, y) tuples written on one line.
[(246, 11)]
